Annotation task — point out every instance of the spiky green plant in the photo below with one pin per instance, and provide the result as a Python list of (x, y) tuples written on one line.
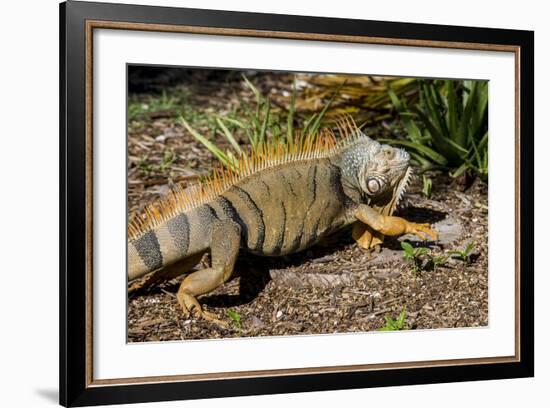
[(427, 186), (464, 254), (235, 318), (448, 126), (414, 255), (395, 324)]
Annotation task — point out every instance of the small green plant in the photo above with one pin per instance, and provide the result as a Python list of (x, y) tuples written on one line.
[(481, 206), (437, 261), (426, 186), (448, 126), (235, 318), (414, 255), (421, 259), (154, 103), (168, 158), (395, 324), (144, 165), (464, 254)]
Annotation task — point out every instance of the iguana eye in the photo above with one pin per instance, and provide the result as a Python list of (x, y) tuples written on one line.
[(373, 185)]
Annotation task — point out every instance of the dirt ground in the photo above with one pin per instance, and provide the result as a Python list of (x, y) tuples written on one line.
[(335, 288)]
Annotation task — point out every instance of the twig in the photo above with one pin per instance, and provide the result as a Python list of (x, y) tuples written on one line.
[(168, 293), (386, 302), (379, 312)]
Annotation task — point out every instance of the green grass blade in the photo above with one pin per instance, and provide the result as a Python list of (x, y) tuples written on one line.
[(456, 146), (276, 130), (480, 152), (317, 122), (229, 136), (290, 117), (216, 151), (401, 319), (234, 122), (263, 129), (464, 127), (250, 129), (413, 131), (479, 120), (452, 112), (460, 170), (433, 115), (420, 160), (425, 150), (440, 141), (408, 248), (254, 90), (307, 124)]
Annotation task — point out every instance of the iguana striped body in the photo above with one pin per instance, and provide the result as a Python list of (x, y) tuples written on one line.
[(279, 201)]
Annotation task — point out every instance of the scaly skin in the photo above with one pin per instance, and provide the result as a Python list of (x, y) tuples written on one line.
[(279, 210)]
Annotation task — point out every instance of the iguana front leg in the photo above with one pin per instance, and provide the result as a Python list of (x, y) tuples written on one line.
[(226, 239), (365, 236), (388, 225)]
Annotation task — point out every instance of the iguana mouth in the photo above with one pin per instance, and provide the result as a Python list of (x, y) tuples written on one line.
[(403, 185), (399, 193)]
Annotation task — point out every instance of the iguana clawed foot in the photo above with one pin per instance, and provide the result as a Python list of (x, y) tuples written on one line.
[(192, 308), (422, 231)]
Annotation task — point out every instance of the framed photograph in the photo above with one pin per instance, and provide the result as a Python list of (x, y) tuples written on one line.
[(256, 204)]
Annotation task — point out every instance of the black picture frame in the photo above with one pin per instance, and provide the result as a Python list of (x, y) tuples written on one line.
[(76, 387)]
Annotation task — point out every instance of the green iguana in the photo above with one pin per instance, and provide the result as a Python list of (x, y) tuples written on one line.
[(279, 200)]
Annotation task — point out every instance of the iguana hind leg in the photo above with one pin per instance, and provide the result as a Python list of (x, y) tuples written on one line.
[(389, 225), (226, 239)]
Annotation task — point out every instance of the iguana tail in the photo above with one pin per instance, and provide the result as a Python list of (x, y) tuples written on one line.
[(175, 239)]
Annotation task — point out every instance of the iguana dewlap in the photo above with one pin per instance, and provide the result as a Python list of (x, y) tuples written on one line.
[(278, 201)]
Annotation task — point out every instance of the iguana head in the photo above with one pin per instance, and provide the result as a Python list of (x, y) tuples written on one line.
[(385, 177), (381, 172)]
